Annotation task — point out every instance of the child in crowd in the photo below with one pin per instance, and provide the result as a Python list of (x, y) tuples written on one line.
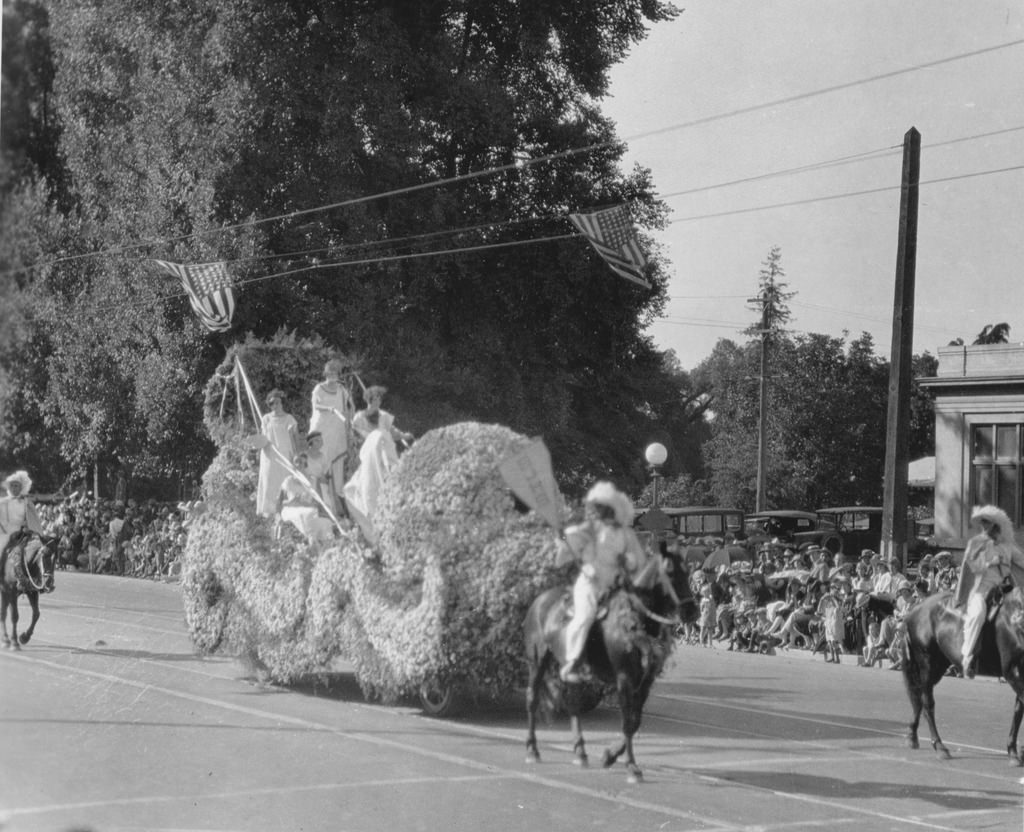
[(708, 616), (873, 647), (830, 608)]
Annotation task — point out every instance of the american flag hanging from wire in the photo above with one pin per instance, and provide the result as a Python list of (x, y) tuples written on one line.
[(209, 289), (611, 234)]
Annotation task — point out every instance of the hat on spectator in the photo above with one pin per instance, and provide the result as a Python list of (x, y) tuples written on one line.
[(904, 586), (275, 394), (866, 554), (21, 477)]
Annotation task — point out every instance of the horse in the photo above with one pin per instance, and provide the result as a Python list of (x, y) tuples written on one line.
[(934, 641), (626, 648), (26, 568)]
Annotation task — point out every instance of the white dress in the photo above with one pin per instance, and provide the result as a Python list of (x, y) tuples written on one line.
[(279, 430), (327, 405), (376, 458), (301, 513)]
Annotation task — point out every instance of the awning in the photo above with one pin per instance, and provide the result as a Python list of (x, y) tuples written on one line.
[(921, 473)]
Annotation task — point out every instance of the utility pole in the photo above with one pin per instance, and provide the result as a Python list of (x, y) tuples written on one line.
[(897, 435)]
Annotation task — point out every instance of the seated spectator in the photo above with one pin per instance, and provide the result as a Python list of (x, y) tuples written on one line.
[(874, 646)]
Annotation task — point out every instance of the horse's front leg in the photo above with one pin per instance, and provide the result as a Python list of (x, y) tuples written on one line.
[(932, 673), (14, 623), (579, 748), (4, 600), (627, 707), (536, 679), (1011, 744), (1012, 674), (33, 600)]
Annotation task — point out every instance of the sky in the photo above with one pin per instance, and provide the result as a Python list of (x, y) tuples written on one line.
[(736, 90)]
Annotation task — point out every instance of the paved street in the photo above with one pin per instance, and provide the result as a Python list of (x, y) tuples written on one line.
[(110, 723)]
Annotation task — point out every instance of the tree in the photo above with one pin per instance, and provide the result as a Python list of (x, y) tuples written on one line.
[(826, 425), (993, 334), (180, 121)]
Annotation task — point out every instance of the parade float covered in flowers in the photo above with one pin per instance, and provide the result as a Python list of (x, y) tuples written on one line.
[(435, 607)]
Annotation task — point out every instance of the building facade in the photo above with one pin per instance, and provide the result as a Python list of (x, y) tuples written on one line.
[(979, 436)]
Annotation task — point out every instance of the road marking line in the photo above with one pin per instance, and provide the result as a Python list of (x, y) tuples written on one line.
[(817, 721), (372, 739), (497, 772), (269, 790)]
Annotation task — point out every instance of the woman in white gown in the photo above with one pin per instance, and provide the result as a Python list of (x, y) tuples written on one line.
[(377, 455), (332, 412), (281, 429), (299, 507)]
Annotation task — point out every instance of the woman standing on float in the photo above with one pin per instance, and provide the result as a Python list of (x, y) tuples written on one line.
[(332, 418)]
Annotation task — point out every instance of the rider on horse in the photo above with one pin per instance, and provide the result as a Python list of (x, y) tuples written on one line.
[(608, 551), (16, 510), (991, 557)]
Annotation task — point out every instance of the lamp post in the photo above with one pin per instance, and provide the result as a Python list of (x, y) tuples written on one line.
[(655, 456)]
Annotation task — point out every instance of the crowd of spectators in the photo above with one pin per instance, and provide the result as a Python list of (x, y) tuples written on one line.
[(810, 599), (143, 539)]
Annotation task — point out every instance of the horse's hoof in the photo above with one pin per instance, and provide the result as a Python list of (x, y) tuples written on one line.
[(607, 760), (24, 639), (15, 646), (1016, 761), (943, 753), (581, 760), (634, 777), (532, 758), (913, 743)]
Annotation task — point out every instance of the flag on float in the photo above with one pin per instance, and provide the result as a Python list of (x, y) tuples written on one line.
[(209, 289), (611, 234)]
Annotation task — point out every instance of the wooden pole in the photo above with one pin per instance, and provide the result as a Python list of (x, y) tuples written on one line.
[(897, 436)]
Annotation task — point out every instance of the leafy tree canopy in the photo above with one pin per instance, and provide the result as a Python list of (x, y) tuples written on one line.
[(178, 127)]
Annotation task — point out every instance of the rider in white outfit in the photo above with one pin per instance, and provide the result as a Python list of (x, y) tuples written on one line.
[(989, 558), (16, 510)]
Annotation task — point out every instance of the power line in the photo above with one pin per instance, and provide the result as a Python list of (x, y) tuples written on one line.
[(866, 156), (846, 195), (363, 262), (524, 163)]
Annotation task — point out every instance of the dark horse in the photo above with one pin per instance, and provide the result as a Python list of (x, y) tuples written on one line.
[(26, 568), (626, 648), (934, 642)]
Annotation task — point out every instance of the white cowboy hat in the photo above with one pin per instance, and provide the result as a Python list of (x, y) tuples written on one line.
[(21, 477), (997, 517), (606, 494)]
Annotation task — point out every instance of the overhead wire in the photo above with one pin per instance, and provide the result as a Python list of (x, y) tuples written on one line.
[(523, 163)]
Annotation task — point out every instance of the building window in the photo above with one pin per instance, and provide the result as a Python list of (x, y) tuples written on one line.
[(996, 467)]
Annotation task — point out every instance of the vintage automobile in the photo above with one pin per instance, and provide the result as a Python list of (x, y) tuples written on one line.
[(792, 528), (697, 524), (693, 521), (858, 527)]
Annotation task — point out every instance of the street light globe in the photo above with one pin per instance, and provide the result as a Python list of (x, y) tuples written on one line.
[(656, 454)]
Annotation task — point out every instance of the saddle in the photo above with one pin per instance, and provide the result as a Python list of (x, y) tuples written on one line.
[(993, 601)]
